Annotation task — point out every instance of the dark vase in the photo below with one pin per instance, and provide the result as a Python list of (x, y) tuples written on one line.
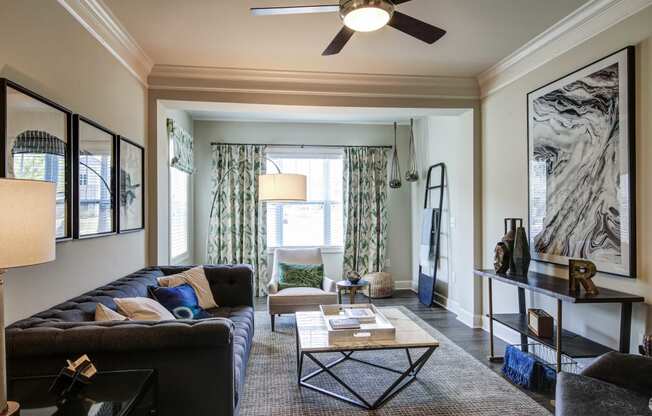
[(521, 254), (510, 235)]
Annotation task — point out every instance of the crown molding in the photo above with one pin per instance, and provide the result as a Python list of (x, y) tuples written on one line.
[(592, 18), (211, 79), (100, 22)]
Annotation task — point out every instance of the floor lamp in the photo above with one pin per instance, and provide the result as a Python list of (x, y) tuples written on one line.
[(27, 237), (278, 187)]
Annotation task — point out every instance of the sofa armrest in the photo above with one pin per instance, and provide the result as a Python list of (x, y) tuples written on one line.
[(625, 370), (272, 287), (232, 285), (328, 285), (127, 336)]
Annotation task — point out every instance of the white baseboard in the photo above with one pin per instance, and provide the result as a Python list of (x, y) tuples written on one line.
[(464, 316), (403, 285)]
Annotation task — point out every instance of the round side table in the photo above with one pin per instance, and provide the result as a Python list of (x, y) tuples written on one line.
[(352, 288)]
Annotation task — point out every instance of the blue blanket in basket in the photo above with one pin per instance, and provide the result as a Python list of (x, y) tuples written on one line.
[(527, 370)]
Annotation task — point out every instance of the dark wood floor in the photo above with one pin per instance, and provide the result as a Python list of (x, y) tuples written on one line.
[(475, 341)]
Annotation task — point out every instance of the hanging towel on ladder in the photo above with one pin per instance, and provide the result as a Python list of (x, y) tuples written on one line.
[(427, 243)]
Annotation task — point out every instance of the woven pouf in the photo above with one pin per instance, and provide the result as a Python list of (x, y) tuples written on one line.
[(381, 285)]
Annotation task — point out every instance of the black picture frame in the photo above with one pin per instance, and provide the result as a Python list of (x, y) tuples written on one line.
[(121, 174), (629, 102), (5, 84), (77, 119)]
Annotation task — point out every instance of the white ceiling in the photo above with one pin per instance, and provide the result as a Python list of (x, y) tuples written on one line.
[(304, 114), (222, 33)]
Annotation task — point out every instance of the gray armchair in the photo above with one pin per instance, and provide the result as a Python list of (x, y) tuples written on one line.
[(615, 384), (297, 299)]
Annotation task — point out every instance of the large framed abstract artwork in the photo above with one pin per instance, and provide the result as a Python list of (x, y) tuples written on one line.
[(131, 177), (581, 133), (95, 179), (36, 143)]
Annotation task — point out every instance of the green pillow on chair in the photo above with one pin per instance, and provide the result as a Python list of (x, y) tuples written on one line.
[(300, 275)]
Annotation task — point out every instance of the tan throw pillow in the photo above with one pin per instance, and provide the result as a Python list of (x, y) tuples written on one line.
[(195, 277), (143, 309), (102, 313), (172, 281)]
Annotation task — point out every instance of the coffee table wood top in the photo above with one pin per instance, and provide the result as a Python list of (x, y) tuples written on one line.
[(313, 335)]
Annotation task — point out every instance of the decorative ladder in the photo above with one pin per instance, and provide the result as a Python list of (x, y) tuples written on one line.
[(426, 281)]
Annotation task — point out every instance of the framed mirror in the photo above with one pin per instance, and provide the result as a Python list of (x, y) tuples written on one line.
[(35, 143), (131, 185), (95, 179)]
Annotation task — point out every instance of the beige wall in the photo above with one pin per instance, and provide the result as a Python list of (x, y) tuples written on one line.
[(43, 48), (505, 175), (451, 140), (399, 252)]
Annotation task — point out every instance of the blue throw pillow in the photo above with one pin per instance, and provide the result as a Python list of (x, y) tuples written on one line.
[(180, 300)]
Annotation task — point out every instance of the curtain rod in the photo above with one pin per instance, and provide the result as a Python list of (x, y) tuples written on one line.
[(297, 145)]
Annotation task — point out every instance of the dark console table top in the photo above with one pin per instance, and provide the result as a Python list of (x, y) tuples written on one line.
[(557, 288)]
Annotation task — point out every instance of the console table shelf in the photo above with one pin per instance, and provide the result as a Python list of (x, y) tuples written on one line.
[(573, 345), (563, 341)]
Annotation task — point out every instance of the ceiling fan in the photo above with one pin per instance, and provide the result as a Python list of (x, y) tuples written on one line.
[(362, 16)]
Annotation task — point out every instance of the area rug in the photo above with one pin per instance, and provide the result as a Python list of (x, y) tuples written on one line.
[(451, 383)]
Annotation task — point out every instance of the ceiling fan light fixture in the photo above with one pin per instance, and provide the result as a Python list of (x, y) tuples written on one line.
[(366, 15)]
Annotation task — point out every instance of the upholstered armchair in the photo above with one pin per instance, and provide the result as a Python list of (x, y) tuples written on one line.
[(296, 299)]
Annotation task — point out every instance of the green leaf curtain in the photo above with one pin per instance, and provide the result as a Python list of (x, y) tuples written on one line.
[(365, 199), (182, 156), (237, 233)]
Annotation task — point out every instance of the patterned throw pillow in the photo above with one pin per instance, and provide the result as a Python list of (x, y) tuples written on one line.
[(180, 300), (300, 275)]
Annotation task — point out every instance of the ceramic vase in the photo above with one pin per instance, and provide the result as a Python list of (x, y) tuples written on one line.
[(521, 254)]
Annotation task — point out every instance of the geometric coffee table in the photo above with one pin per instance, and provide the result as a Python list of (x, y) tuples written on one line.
[(312, 340)]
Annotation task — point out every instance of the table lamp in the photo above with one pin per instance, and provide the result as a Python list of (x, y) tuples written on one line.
[(27, 237)]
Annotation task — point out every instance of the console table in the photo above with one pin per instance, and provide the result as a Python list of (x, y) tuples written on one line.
[(563, 341)]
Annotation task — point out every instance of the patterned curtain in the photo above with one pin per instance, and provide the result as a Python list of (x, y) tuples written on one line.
[(365, 199), (237, 233), (182, 157)]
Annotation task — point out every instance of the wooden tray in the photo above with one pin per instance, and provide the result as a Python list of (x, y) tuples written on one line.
[(380, 329)]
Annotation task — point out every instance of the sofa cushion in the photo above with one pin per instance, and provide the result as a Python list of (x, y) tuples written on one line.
[(180, 300), (302, 296), (143, 309), (102, 313), (195, 277), (579, 395)]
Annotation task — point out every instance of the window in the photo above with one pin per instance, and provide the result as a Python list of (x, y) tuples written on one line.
[(320, 220), (179, 215), (48, 167)]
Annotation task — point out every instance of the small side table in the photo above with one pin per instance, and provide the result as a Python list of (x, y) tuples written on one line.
[(118, 393), (352, 288)]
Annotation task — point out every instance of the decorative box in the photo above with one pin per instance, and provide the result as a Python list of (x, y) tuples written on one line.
[(540, 322)]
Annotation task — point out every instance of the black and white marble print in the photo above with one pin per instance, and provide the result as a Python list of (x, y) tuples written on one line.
[(577, 193)]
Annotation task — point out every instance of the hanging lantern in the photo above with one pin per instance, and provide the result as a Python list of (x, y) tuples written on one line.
[(395, 176), (412, 173)]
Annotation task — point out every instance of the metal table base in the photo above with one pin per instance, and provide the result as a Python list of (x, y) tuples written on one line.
[(406, 377)]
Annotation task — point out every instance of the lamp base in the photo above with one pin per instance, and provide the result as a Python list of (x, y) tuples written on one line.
[(13, 409)]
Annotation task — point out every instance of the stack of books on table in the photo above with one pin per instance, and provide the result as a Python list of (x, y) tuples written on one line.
[(363, 315)]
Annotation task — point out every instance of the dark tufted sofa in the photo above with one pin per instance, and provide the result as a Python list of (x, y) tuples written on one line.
[(201, 364), (615, 384)]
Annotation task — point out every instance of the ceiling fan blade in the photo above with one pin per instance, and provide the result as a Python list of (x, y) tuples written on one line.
[(338, 43), (272, 11), (397, 2), (416, 28)]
